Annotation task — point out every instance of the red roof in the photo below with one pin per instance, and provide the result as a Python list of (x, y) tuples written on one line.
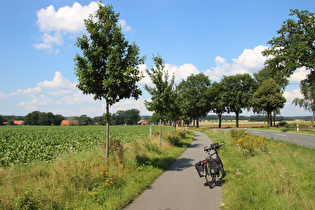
[(69, 122), (18, 122)]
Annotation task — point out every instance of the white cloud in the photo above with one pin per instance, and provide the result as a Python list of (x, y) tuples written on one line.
[(181, 72), (66, 19), (58, 83), (76, 98), (54, 24), (29, 91), (299, 74), (124, 25), (292, 94), (250, 61)]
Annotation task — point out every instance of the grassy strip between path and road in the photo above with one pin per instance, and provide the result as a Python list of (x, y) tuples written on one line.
[(263, 173), (82, 181)]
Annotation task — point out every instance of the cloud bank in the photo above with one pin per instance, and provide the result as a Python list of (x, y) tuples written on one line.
[(65, 21)]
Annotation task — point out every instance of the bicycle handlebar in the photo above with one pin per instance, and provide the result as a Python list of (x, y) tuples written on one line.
[(214, 146)]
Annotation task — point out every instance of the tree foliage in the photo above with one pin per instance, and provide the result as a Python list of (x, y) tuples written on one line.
[(268, 97), (294, 47), (307, 87), (42, 118)]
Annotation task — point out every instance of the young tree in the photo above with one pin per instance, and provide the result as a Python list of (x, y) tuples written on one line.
[(108, 68), (161, 92), (194, 96), (268, 97), (308, 91), (294, 47), (239, 90)]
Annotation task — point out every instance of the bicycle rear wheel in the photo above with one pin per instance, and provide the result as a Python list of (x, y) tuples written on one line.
[(210, 179)]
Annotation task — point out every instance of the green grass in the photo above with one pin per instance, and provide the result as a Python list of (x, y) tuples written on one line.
[(282, 177), (81, 181)]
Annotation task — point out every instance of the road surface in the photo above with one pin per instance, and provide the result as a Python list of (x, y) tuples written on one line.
[(180, 186), (306, 140)]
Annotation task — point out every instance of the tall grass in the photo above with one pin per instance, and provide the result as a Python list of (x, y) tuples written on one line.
[(280, 176), (81, 181)]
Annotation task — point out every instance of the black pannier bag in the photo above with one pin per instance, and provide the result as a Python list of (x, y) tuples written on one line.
[(213, 166), (200, 169)]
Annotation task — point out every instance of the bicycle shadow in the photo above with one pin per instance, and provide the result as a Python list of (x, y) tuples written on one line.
[(167, 163)]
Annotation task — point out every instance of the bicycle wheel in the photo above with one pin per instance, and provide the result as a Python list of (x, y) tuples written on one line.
[(210, 179)]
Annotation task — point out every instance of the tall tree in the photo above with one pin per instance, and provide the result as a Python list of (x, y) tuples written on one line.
[(217, 103), (161, 91), (108, 68), (268, 97), (308, 91), (294, 47), (239, 90), (268, 72), (194, 96)]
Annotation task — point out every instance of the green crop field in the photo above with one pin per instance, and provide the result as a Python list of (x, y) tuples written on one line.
[(24, 145)]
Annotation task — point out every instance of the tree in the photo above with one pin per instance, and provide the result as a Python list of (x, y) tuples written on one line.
[(132, 116), (239, 90), (57, 119), (308, 91), (108, 68), (194, 96), (268, 97), (217, 102), (268, 72), (32, 118), (294, 47), (161, 91), (174, 112), (1, 119), (84, 120)]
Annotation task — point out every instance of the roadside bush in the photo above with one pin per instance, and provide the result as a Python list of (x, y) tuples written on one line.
[(248, 144), (282, 124)]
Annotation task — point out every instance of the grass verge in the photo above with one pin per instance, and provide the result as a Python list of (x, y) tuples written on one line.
[(85, 182), (279, 176)]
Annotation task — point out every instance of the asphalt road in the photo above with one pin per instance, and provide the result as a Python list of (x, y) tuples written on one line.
[(306, 140), (180, 186)]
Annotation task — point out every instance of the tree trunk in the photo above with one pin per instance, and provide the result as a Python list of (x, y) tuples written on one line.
[(220, 118), (236, 119), (107, 134), (160, 134), (270, 119), (313, 120), (197, 119), (274, 118)]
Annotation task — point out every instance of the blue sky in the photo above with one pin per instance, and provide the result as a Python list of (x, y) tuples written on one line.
[(217, 38)]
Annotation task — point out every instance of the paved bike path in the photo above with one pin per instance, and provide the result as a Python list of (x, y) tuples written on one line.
[(180, 187)]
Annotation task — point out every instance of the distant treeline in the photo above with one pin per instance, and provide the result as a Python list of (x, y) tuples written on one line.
[(257, 118)]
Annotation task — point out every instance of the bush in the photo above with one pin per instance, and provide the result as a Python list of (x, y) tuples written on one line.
[(282, 124), (247, 143)]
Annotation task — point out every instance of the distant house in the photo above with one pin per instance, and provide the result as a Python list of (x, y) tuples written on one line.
[(69, 122), (18, 122), (142, 122)]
